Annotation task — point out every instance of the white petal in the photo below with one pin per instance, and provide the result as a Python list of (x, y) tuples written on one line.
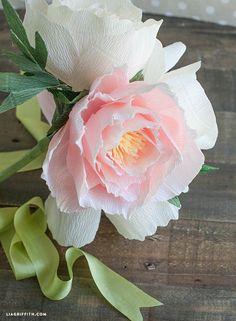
[(40, 5), (77, 54), (62, 54), (107, 52), (47, 104), (155, 67), (173, 53), (192, 98), (76, 229), (144, 221), (124, 9)]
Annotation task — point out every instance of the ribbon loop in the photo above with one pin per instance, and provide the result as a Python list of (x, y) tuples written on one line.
[(30, 253)]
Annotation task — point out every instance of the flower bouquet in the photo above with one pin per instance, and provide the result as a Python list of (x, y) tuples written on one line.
[(122, 136)]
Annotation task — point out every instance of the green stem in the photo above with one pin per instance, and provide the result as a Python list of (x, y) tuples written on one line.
[(28, 158), (208, 169)]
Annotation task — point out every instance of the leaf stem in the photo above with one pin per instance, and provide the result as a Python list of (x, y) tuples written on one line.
[(35, 152)]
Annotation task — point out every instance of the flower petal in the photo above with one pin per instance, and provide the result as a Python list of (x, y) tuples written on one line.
[(191, 97), (69, 36), (124, 9), (98, 198), (144, 221), (56, 174), (137, 41), (76, 229), (155, 67), (47, 104), (173, 53), (38, 5), (62, 54), (183, 174)]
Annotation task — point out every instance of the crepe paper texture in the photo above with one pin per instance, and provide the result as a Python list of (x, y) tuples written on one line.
[(31, 253)]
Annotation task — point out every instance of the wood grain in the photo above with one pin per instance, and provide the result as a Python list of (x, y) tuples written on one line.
[(192, 260), (181, 303)]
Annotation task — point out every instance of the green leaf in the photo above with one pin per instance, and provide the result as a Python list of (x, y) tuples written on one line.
[(18, 98), (208, 169), (81, 95), (22, 87), (22, 62), (138, 77), (46, 78), (175, 201), (15, 23), (41, 53), (64, 107), (23, 48), (10, 82)]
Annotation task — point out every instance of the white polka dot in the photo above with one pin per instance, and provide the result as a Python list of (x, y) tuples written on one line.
[(155, 3), (182, 5), (223, 22), (168, 14), (225, 1), (210, 10)]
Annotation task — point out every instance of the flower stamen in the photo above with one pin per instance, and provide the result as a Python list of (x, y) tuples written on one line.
[(129, 148)]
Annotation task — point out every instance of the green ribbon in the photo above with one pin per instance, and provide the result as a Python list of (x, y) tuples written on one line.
[(30, 253), (29, 114)]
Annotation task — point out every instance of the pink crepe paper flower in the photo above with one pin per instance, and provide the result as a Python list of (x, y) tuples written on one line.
[(127, 149)]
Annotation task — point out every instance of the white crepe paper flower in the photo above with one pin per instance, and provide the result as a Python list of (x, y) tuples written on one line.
[(88, 38)]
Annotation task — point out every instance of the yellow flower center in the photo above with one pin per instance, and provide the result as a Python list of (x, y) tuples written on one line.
[(129, 148)]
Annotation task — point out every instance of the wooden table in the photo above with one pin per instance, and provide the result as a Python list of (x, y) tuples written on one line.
[(191, 264)]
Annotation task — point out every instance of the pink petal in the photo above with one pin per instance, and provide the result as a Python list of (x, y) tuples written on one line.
[(56, 174), (47, 104), (183, 174), (98, 198), (110, 82)]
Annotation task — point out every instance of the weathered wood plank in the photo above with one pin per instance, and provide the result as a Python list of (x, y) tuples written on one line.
[(183, 252), (212, 196), (214, 44), (180, 303), (187, 253), (225, 150)]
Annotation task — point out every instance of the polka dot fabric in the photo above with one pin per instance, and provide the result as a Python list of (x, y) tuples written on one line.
[(218, 11)]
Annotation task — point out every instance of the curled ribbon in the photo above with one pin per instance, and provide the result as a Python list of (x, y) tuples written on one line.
[(31, 253)]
